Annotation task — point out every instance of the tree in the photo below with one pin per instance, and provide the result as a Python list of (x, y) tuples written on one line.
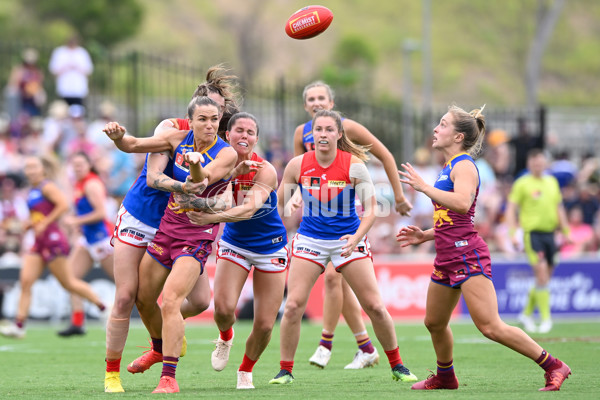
[(354, 58), (106, 22), (547, 16)]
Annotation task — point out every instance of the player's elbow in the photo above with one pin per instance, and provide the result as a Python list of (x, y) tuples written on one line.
[(247, 214), (463, 207), (151, 181)]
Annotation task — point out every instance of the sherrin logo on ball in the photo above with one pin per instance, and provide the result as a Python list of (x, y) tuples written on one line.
[(308, 22)]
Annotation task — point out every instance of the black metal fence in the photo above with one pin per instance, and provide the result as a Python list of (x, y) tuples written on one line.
[(147, 88)]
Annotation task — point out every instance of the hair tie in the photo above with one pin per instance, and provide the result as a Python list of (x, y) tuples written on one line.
[(478, 112)]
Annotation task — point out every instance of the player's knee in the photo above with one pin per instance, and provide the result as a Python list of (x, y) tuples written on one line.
[(293, 309), (434, 326), (68, 284), (333, 278), (124, 303), (223, 310), (375, 310), (170, 305), (262, 327), (143, 304), (199, 303), (489, 330)]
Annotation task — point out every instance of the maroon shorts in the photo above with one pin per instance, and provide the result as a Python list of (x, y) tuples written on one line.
[(51, 244), (456, 271), (166, 250)]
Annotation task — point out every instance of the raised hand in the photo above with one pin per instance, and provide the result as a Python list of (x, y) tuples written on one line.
[(114, 130), (412, 178), (247, 166), (403, 208), (410, 235)]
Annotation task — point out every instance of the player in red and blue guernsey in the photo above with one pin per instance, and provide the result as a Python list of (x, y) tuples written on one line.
[(46, 205), (339, 299), (462, 264), (330, 231), (93, 245), (180, 246), (254, 236)]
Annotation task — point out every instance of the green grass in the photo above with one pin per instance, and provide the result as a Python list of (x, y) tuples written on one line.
[(46, 366)]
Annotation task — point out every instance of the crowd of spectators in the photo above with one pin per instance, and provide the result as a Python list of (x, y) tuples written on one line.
[(498, 168), (29, 127)]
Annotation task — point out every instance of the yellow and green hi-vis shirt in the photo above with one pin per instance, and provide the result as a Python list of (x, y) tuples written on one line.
[(538, 200)]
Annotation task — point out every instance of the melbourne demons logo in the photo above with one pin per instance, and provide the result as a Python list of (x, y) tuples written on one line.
[(311, 182), (180, 160), (279, 261)]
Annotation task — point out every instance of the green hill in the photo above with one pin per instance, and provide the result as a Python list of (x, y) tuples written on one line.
[(479, 47)]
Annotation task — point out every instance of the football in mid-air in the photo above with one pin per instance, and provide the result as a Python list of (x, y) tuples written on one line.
[(308, 22)]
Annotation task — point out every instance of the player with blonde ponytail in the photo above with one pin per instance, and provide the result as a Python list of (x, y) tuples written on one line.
[(462, 257)]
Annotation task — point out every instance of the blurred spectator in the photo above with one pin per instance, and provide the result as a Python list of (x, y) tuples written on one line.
[(498, 153), (582, 235), (117, 168), (522, 143), (71, 65), (32, 138), (487, 203), (500, 239), (590, 169), (277, 154), (27, 82), (589, 203), (563, 169), (106, 114), (54, 126), (381, 234), (9, 148), (14, 214), (75, 138)]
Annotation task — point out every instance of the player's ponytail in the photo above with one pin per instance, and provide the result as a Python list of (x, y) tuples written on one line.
[(472, 125)]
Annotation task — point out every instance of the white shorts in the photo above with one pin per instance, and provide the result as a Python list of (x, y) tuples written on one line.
[(131, 231), (321, 251), (99, 250), (273, 262)]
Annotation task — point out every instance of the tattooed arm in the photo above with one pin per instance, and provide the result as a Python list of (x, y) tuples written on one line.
[(190, 202), (157, 179)]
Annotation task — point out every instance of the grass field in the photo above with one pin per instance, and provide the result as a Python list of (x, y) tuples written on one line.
[(45, 366)]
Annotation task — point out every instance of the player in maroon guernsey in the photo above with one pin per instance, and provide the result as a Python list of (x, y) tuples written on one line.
[(46, 205), (462, 264)]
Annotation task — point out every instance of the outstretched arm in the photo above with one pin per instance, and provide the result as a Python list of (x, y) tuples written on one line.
[(131, 144), (413, 235), (465, 178), (264, 183), (361, 135)]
